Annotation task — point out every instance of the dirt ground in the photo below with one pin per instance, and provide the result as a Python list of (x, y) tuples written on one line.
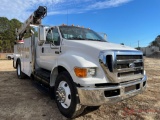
[(20, 99)]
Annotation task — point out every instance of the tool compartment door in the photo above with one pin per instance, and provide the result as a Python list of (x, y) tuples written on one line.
[(27, 57)]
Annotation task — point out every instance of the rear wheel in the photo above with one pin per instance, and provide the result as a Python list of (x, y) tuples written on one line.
[(66, 96), (20, 74), (13, 63)]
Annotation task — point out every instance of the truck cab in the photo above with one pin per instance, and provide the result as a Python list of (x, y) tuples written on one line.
[(76, 48)]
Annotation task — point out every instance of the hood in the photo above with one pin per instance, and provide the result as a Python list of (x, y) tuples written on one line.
[(97, 45), (90, 50)]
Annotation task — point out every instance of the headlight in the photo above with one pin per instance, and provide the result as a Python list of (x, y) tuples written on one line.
[(84, 72), (91, 71)]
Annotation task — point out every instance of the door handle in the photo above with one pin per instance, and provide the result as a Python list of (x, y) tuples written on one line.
[(42, 49), (56, 52)]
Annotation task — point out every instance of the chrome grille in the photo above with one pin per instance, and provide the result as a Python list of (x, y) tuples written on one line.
[(126, 57), (129, 66), (120, 66)]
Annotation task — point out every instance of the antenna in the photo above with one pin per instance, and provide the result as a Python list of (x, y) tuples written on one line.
[(67, 15), (67, 21)]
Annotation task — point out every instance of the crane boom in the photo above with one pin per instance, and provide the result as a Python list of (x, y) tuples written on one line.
[(35, 18)]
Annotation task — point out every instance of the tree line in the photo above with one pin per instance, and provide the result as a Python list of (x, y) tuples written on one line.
[(155, 42), (7, 34)]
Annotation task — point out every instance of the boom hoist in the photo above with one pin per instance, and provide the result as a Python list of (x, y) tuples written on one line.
[(35, 19)]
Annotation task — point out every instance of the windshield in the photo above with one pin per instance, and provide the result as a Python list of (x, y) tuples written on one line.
[(78, 33)]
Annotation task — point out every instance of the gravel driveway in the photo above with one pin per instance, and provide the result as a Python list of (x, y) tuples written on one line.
[(20, 99)]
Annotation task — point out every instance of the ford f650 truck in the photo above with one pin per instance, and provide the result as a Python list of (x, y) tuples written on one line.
[(77, 65)]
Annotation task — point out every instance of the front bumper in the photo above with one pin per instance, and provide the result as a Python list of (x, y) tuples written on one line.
[(97, 96)]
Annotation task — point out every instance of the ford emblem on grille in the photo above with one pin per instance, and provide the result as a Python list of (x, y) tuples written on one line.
[(131, 65)]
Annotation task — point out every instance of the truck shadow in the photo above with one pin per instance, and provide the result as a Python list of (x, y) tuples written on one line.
[(19, 89), (26, 96)]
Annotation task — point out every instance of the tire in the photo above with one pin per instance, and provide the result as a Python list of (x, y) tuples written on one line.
[(51, 91), (66, 96), (13, 64), (9, 58), (20, 74)]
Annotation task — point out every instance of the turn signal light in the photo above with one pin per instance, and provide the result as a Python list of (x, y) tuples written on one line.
[(80, 72)]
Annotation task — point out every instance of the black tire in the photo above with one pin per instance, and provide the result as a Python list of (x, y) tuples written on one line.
[(51, 91), (20, 74), (74, 109), (13, 64), (9, 58)]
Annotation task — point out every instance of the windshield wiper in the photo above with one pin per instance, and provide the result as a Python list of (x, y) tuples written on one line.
[(75, 38), (96, 40)]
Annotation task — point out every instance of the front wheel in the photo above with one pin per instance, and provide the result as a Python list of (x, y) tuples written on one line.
[(66, 96)]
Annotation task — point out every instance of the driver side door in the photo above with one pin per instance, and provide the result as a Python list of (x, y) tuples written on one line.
[(50, 49)]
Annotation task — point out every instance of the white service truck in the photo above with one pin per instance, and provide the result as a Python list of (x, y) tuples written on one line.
[(10, 56), (77, 65)]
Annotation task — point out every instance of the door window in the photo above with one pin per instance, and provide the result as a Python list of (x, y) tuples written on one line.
[(53, 37)]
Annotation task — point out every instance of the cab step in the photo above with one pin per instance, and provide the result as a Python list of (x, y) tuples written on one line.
[(43, 76)]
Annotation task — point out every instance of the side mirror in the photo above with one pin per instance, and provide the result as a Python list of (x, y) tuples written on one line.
[(42, 34), (105, 36)]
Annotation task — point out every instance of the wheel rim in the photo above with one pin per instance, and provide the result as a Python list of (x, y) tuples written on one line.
[(18, 69), (63, 94)]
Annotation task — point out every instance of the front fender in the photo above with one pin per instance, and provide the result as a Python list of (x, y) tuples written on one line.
[(69, 62), (72, 59), (76, 60)]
